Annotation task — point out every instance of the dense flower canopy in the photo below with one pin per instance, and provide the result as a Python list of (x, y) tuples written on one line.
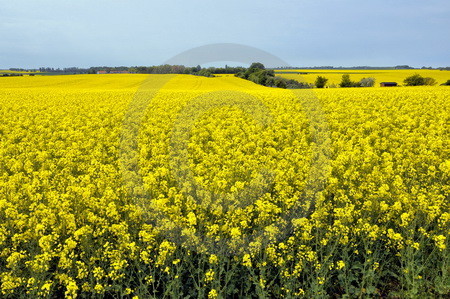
[(336, 191)]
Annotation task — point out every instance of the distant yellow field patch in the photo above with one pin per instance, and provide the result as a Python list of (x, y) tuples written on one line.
[(14, 72), (335, 76)]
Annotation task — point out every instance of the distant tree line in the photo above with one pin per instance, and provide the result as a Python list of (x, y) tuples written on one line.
[(181, 69), (172, 69), (22, 70), (157, 69), (67, 70), (258, 74)]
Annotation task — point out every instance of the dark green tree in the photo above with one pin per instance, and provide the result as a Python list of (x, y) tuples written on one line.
[(321, 81), (346, 82), (257, 65)]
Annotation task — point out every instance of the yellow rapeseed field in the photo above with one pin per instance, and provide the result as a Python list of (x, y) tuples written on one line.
[(13, 72), (335, 76), (178, 185)]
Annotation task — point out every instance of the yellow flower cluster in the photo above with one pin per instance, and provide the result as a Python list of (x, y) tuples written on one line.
[(291, 187)]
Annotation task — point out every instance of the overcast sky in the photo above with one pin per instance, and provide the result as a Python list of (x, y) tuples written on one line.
[(63, 33)]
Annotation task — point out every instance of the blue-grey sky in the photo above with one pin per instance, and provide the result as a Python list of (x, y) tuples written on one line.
[(63, 33)]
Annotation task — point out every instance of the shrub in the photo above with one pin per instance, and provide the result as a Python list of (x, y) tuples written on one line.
[(414, 80), (429, 81), (280, 83), (204, 73), (321, 81), (367, 82)]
